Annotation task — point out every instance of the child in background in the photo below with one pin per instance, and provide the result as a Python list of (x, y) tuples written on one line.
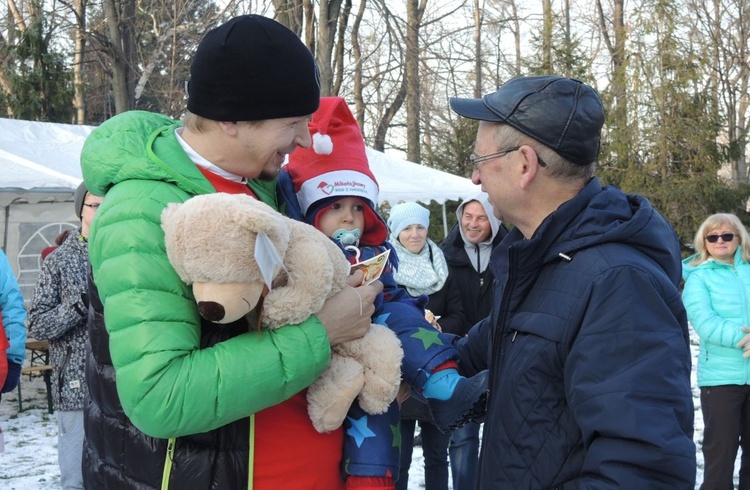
[(331, 187)]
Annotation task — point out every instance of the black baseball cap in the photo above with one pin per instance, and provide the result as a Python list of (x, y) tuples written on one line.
[(562, 113)]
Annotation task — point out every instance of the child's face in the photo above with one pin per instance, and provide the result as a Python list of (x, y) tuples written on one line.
[(347, 213)]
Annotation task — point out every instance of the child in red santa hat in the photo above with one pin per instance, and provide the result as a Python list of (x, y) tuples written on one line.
[(331, 187)]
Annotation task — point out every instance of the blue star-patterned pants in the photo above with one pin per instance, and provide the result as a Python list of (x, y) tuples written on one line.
[(372, 443)]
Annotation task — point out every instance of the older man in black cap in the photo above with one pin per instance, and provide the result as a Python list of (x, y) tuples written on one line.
[(176, 401), (589, 356)]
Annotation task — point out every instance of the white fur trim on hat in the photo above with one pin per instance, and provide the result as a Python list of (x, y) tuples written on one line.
[(341, 183), (322, 144), (406, 214)]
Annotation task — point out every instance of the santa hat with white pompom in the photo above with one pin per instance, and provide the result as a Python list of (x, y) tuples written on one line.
[(335, 166)]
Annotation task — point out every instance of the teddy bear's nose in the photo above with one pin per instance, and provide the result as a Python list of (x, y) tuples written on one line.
[(211, 311)]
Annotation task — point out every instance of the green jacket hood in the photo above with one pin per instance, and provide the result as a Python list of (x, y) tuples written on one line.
[(136, 145)]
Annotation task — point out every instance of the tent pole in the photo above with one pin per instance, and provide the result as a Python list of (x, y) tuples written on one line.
[(445, 223)]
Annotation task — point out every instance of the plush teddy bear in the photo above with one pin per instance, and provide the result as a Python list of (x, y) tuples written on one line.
[(238, 252)]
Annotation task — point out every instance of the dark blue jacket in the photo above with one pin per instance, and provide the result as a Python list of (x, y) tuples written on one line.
[(588, 352)]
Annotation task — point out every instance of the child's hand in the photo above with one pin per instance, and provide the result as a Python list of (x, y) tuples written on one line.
[(355, 278), (430, 317)]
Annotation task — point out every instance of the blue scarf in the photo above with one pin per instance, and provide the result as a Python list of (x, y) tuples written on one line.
[(421, 273)]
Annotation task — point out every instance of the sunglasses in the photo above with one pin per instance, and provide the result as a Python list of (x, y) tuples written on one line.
[(726, 237)]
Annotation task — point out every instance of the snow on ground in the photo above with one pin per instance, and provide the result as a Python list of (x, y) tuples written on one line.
[(30, 458)]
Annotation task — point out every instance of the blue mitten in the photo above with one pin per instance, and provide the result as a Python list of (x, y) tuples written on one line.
[(14, 375)]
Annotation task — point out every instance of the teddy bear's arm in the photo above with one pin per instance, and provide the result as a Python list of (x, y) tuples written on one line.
[(313, 276)]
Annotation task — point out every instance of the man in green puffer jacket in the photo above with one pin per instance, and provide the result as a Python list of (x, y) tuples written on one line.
[(176, 401)]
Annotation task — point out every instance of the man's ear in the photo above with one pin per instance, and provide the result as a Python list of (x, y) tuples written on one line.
[(529, 166), (229, 128)]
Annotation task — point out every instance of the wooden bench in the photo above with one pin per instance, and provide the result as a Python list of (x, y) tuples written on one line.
[(39, 352), (46, 371), (36, 369)]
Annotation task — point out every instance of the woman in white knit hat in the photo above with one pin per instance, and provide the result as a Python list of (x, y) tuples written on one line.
[(422, 270)]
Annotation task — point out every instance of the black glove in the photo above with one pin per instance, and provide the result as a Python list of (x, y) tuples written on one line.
[(14, 374), (82, 307)]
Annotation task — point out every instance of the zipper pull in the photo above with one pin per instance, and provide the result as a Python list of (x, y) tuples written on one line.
[(515, 332)]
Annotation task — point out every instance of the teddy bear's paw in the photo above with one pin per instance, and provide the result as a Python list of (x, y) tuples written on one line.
[(379, 392), (382, 370), (331, 395), (280, 308)]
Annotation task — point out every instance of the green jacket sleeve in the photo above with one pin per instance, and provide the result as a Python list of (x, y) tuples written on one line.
[(167, 384)]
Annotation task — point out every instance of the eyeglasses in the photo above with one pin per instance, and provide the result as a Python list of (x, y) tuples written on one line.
[(726, 237), (475, 160), (93, 206)]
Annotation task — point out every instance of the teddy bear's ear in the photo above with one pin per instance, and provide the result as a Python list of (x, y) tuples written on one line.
[(172, 224), (257, 217), (168, 213)]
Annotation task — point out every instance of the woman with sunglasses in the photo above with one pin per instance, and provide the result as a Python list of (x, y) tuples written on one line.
[(717, 300)]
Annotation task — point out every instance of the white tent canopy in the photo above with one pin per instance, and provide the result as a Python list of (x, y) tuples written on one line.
[(40, 155), (44, 158), (401, 180)]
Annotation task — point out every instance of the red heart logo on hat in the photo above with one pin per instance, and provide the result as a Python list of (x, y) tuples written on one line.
[(326, 188)]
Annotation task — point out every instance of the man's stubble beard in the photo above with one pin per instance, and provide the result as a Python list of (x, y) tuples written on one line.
[(268, 176)]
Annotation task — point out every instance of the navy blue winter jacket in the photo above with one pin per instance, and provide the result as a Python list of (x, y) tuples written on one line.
[(588, 352)]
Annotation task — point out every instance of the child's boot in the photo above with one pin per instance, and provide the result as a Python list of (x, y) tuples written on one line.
[(454, 400)]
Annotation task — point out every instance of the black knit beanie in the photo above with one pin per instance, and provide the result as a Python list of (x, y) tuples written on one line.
[(250, 69)]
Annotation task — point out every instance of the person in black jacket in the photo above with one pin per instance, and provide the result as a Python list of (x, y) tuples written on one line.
[(587, 343), (467, 250), (422, 270)]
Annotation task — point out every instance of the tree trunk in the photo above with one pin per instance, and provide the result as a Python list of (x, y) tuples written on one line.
[(414, 10), (390, 113), (338, 60), (310, 29), (328, 15), (516, 36), (79, 101), (478, 17), (621, 132), (547, 36), (289, 13), (121, 30), (359, 102)]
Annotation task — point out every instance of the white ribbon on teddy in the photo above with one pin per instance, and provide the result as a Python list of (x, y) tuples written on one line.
[(268, 259)]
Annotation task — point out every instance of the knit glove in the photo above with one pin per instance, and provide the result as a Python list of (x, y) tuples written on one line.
[(14, 375)]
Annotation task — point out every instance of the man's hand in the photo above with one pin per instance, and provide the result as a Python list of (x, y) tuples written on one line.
[(347, 315), (744, 344)]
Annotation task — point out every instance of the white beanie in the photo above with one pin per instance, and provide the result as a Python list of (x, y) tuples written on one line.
[(405, 214)]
